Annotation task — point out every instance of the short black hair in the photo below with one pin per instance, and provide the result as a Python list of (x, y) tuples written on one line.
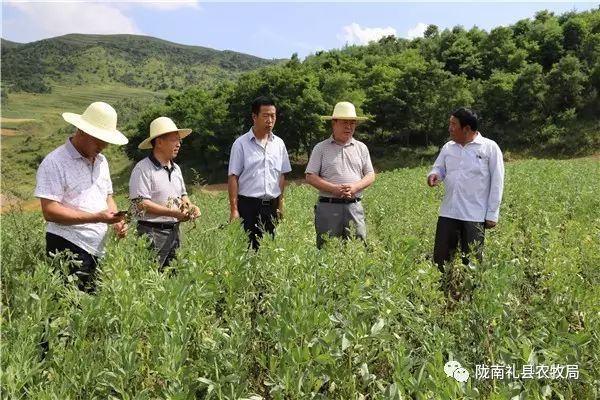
[(261, 101), (466, 116)]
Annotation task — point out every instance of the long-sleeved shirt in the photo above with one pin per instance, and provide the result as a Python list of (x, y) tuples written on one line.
[(473, 175)]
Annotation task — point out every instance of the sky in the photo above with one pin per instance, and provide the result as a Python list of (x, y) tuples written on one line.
[(264, 29)]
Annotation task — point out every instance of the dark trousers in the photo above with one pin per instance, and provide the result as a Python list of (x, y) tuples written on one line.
[(164, 239), (452, 232), (86, 272), (258, 216)]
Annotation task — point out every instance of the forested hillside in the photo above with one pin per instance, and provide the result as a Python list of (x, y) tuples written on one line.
[(535, 84)]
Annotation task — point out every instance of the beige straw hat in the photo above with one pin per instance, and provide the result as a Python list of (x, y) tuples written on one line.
[(343, 110), (161, 126), (98, 120)]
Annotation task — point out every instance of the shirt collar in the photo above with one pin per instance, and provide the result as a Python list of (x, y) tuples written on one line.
[(251, 136), (72, 150), (478, 139), (349, 143), (75, 154), (158, 165)]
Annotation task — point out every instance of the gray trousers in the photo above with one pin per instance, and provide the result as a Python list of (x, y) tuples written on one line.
[(333, 219), (451, 233), (164, 241)]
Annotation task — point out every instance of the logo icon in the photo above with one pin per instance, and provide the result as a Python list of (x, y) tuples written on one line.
[(454, 369)]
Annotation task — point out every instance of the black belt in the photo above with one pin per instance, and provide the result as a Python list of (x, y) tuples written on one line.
[(159, 225), (264, 202), (337, 200)]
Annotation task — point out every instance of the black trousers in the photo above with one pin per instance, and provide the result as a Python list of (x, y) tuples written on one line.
[(452, 232), (257, 217), (86, 272)]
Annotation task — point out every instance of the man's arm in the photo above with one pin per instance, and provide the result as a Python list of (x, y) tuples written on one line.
[(317, 182), (232, 188), (496, 168), (438, 172), (54, 211), (364, 183), (163, 211)]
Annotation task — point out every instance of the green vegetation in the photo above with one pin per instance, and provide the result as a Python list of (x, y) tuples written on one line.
[(136, 61), (291, 322), (535, 84)]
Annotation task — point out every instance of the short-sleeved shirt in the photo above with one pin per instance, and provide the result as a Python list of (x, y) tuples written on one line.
[(162, 185), (259, 168), (67, 177), (340, 163)]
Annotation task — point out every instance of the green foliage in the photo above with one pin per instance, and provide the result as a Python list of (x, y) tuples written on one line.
[(349, 321), (136, 61)]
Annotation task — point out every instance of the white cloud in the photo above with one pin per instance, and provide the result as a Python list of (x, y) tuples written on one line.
[(163, 5), (355, 34), (417, 31), (48, 19)]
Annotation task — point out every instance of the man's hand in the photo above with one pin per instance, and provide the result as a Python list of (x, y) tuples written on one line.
[(121, 229), (181, 216), (194, 212), (339, 190), (433, 180), (490, 224), (350, 190), (109, 217), (234, 214)]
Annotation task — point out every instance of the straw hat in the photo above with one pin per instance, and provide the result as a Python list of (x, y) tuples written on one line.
[(98, 120), (161, 126), (343, 110)]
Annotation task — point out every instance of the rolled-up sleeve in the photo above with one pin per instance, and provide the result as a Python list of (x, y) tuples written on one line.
[(314, 162), (49, 181), (140, 185), (236, 158), (496, 168), (439, 166)]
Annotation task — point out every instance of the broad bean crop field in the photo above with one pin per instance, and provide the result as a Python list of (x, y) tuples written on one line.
[(347, 322)]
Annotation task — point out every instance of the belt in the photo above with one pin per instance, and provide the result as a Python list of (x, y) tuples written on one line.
[(264, 202), (159, 225), (337, 200)]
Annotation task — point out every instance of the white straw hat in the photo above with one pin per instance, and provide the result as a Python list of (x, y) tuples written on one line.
[(161, 126), (98, 120), (343, 110)]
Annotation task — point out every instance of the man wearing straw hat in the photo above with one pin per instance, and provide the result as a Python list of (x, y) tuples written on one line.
[(256, 181), (156, 184), (75, 190), (340, 168)]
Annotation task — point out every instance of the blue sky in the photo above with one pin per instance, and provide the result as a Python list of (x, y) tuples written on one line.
[(266, 29)]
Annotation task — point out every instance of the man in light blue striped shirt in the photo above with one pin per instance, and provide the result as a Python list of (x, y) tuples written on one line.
[(257, 164)]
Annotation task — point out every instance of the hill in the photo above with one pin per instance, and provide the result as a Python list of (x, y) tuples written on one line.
[(136, 61)]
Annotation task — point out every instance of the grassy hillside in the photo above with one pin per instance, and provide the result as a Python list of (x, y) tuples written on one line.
[(346, 322), (32, 126), (136, 61), (43, 79)]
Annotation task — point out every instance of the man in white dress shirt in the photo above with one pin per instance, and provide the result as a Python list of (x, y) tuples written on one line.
[(472, 170), (75, 190), (257, 167)]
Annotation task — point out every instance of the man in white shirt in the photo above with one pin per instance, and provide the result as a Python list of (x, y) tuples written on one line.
[(156, 182), (472, 169), (256, 177), (75, 190)]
